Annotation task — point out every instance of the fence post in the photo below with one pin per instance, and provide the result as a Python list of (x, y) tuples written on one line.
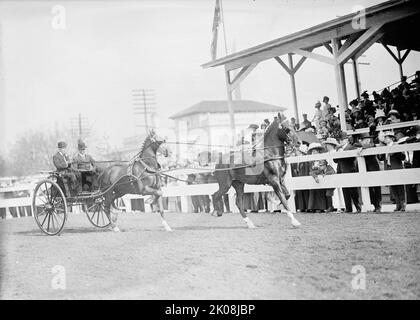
[(361, 163)]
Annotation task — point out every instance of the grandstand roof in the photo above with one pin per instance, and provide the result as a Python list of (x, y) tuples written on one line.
[(221, 106), (401, 19)]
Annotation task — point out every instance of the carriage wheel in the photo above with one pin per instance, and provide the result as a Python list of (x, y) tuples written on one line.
[(95, 211), (49, 207)]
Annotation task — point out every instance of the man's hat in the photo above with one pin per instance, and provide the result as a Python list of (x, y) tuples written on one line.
[(389, 133), (379, 113), (61, 144), (355, 109), (318, 104), (365, 135), (331, 141), (393, 112), (81, 145), (365, 94), (253, 126), (325, 98), (315, 145), (305, 115)]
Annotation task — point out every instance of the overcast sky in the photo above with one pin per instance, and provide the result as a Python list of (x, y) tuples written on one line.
[(109, 48)]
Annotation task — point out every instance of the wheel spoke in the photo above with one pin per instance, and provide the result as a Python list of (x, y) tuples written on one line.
[(52, 222), (48, 225), (48, 194), (43, 221)]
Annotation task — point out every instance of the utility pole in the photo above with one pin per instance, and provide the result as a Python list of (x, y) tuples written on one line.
[(144, 104), (79, 126)]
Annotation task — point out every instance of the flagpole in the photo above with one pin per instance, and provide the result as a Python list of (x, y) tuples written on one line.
[(224, 29)]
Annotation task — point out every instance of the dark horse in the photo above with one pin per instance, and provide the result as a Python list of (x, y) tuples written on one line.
[(138, 177), (264, 163)]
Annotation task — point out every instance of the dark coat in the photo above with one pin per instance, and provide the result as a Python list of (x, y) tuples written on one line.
[(83, 163), (61, 162), (346, 165), (395, 160), (372, 163)]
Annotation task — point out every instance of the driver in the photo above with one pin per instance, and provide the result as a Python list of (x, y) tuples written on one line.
[(63, 164), (83, 162)]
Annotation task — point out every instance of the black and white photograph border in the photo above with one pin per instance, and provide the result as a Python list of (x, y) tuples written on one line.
[(207, 150)]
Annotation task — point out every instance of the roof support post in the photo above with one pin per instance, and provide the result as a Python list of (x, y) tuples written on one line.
[(291, 70), (400, 62), (356, 76), (340, 82), (230, 107), (293, 83)]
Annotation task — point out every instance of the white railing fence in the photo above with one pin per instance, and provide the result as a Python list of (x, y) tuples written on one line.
[(362, 179)]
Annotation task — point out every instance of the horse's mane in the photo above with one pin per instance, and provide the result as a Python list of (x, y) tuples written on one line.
[(143, 145)]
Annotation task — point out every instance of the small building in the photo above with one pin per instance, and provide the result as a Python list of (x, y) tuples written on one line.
[(207, 122)]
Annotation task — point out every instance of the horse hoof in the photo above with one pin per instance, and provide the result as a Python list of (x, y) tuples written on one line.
[(296, 223), (115, 229)]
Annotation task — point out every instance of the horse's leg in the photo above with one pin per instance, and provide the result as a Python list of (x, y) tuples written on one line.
[(109, 200), (158, 200), (239, 187), (275, 183)]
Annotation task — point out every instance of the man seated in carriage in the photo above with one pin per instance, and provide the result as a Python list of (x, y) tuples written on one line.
[(85, 164), (62, 163)]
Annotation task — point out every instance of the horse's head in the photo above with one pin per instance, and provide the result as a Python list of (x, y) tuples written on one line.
[(158, 143)]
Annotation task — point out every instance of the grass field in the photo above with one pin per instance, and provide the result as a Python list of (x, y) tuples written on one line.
[(215, 258)]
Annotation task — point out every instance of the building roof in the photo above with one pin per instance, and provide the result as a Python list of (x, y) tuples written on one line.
[(400, 16), (221, 106)]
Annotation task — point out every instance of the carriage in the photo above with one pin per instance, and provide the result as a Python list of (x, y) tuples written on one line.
[(52, 199)]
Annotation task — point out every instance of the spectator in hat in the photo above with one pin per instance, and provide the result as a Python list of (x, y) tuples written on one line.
[(62, 163), (293, 124), (323, 169), (394, 161), (348, 165), (380, 117), (323, 130), (305, 123), (302, 169), (372, 164), (326, 106), (403, 85), (393, 117), (318, 115), (317, 200), (331, 145)]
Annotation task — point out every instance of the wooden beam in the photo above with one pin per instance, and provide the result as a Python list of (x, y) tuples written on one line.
[(293, 83), (314, 56), (366, 46), (278, 59), (241, 76), (350, 40), (328, 47), (405, 55), (299, 64), (390, 52), (361, 41), (340, 83)]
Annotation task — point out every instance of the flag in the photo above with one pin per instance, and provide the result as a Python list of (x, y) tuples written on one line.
[(216, 23)]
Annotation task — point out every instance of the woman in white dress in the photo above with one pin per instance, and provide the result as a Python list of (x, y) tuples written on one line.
[(331, 145)]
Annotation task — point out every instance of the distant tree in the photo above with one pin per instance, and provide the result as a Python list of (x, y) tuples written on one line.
[(32, 152), (3, 167)]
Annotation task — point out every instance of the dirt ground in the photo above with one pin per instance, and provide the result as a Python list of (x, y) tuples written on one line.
[(215, 258)]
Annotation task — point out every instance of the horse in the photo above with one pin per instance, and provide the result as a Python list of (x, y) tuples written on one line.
[(269, 168), (140, 176)]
